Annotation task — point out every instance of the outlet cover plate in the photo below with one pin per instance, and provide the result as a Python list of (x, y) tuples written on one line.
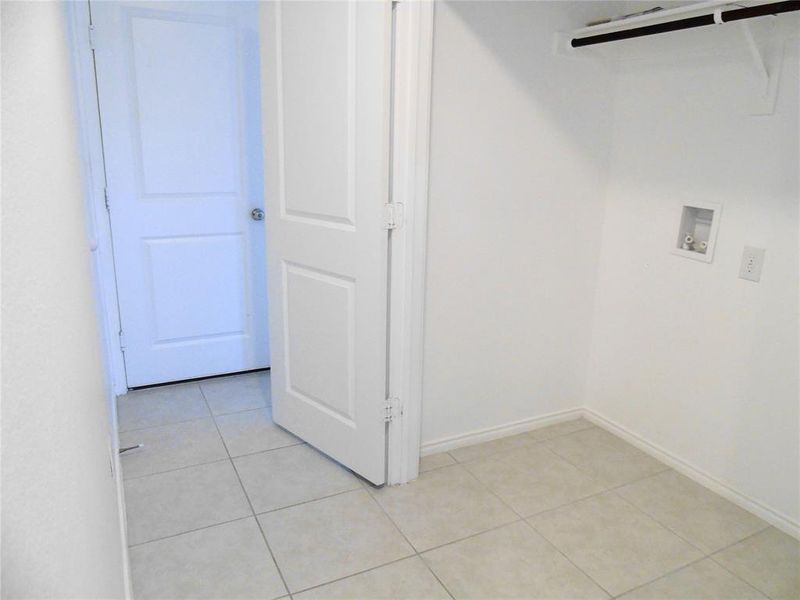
[(752, 263)]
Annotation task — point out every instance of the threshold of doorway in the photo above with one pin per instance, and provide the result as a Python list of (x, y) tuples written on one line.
[(156, 385)]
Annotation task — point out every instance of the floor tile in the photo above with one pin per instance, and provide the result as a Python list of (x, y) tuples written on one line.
[(253, 431), (407, 579), (442, 506), (704, 580), (320, 541), (237, 393), (695, 513), (287, 476), (171, 447), (435, 461), (511, 562), (769, 561), (160, 406), (223, 561), (604, 456), (178, 501), (485, 449), (532, 480), (559, 429), (613, 542)]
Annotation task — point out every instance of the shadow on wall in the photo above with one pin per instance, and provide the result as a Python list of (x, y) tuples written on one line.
[(520, 39)]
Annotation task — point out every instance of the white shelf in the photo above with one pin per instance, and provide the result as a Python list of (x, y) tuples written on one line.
[(670, 14), (759, 40)]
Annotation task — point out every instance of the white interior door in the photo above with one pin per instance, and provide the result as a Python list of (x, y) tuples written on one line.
[(179, 99), (326, 82)]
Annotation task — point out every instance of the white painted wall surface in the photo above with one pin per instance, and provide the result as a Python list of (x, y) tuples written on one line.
[(518, 160), (60, 518), (685, 354)]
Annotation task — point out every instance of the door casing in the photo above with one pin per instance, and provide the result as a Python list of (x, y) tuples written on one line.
[(410, 151)]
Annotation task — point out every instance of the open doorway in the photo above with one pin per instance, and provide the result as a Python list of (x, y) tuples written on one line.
[(179, 114)]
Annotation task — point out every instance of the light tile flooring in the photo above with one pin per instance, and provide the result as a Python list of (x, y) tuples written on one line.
[(222, 503)]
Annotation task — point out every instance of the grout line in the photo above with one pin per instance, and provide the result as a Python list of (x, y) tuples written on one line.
[(338, 579), (594, 495), (435, 576), (667, 574), (173, 535), (135, 429), (216, 460), (711, 557), (267, 406), (716, 562), (210, 415), (410, 545), (249, 503), (526, 434), (567, 558), (657, 522), (209, 462), (183, 468), (673, 531), (470, 536), (300, 443), (491, 492), (272, 510), (624, 451), (571, 502)]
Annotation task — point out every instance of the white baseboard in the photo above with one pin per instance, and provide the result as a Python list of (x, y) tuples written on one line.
[(773, 517), (120, 485), (492, 433), (123, 527)]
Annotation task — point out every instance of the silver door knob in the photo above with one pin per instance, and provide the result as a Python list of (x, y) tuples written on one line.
[(257, 214)]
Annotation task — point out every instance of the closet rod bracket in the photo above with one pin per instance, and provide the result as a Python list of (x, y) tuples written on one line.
[(768, 63)]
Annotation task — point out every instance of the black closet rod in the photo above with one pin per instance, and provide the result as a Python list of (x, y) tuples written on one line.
[(727, 16)]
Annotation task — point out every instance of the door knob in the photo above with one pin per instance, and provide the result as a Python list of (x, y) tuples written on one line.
[(257, 214)]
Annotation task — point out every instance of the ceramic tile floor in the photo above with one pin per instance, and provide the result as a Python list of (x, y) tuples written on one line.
[(222, 503)]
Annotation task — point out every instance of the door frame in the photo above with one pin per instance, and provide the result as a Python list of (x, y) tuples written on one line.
[(98, 218), (411, 118), (411, 105)]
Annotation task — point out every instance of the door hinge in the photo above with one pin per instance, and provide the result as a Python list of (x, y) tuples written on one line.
[(105, 199), (393, 409), (92, 41), (393, 215), (122, 344)]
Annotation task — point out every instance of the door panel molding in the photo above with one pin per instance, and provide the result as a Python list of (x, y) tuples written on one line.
[(327, 95)]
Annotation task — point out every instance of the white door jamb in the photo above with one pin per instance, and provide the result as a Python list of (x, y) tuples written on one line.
[(413, 53), (98, 222)]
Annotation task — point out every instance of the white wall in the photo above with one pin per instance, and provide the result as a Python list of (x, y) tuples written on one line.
[(518, 159), (60, 518), (685, 354)]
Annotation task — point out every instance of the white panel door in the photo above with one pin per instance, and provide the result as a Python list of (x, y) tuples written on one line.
[(179, 100), (326, 73)]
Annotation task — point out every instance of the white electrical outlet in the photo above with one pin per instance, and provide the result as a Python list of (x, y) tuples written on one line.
[(752, 263)]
